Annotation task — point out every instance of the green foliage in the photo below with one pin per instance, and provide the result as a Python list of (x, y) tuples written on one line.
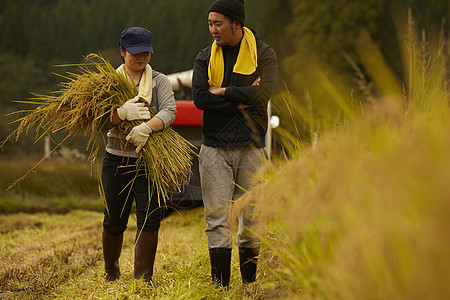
[(17, 73), (57, 185), (357, 47), (64, 31), (329, 27), (59, 205)]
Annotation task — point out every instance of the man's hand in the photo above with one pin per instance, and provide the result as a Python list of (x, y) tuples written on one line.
[(244, 106), (256, 82), (221, 92), (216, 90), (139, 135), (133, 110)]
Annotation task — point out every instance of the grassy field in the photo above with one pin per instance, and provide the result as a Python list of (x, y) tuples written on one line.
[(50, 243), (56, 185), (362, 215), (59, 256)]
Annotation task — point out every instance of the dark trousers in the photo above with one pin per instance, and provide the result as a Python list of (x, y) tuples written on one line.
[(122, 183)]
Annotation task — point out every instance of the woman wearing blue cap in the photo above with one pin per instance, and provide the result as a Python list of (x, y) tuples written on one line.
[(120, 183)]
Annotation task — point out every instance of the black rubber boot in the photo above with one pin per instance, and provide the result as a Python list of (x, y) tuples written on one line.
[(112, 247), (248, 260), (220, 266), (144, 255)]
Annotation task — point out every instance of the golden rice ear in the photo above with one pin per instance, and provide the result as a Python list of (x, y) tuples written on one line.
[(83, 105)]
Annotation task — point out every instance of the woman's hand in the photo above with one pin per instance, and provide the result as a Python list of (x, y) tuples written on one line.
[(133, 110), (139, 135)]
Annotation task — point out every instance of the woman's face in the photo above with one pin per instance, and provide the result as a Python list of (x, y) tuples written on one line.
[(135, 62)]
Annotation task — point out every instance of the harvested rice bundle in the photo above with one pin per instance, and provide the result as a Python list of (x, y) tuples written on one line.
[(83, 107)]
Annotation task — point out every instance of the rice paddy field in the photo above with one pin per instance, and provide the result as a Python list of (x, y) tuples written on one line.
[(59, 256), (50, 244), (363, 212)]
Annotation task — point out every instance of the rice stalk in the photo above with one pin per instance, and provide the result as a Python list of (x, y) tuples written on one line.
[(83, 106)]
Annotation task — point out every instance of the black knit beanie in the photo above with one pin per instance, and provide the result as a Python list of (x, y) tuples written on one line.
[(232, 8)]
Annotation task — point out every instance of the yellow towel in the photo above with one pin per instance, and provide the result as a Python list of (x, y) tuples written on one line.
[(145, 85), (246, 62)]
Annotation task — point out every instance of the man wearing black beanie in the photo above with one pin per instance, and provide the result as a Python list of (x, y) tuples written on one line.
[(231, 8), (232, 83)]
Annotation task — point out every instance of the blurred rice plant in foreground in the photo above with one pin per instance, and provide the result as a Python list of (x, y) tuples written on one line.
[(365, 213)]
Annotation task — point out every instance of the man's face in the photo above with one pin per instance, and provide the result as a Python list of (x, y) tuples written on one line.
[(222, 30)]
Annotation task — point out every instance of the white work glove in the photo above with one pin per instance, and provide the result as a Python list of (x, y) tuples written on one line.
[(139, 135), (133, 110)]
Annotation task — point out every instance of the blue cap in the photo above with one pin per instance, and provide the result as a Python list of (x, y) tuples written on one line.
[(136, 40)]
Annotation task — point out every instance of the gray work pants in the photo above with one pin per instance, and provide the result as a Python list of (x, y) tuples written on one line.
[(225, 175)]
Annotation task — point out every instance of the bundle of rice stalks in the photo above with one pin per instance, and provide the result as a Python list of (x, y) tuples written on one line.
[(83, 107)]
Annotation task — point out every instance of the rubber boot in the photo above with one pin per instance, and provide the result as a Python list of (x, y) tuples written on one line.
[(248, 260), (112, 247), (144, 255), (220, 266)]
